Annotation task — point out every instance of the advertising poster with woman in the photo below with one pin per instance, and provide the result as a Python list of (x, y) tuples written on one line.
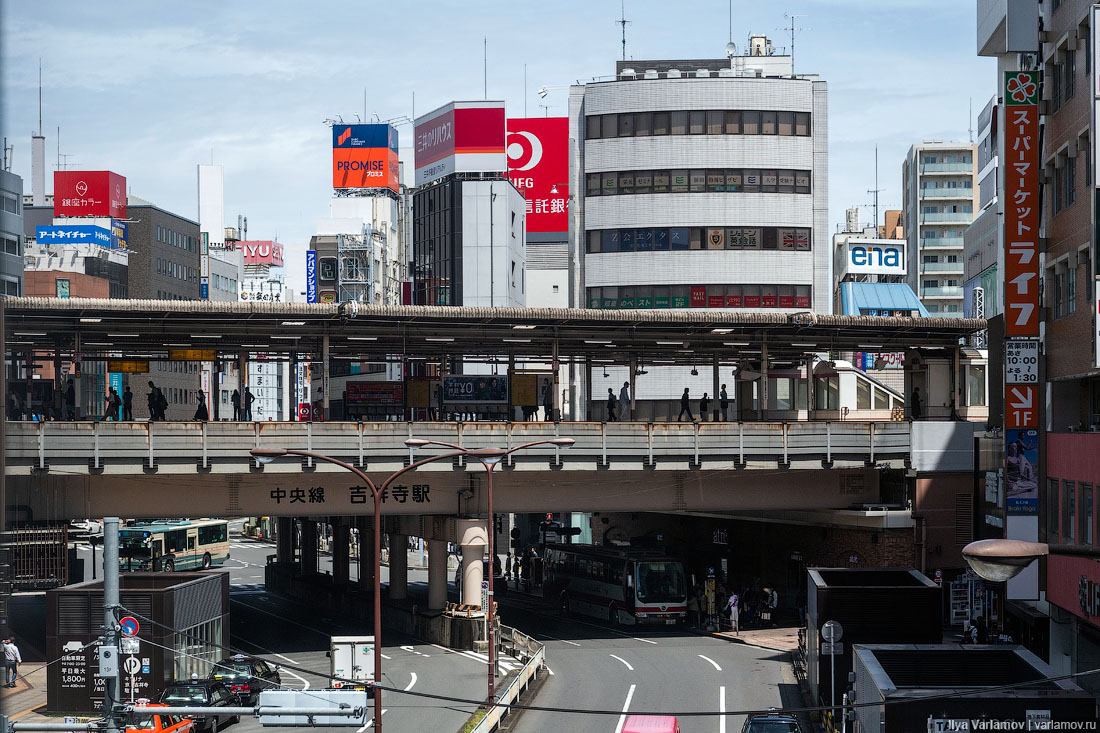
[(1021, 471)]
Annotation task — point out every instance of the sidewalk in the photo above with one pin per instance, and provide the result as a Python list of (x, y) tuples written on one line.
[(28, 695), (780, 639)]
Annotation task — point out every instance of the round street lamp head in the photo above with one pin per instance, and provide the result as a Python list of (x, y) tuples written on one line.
[(563, 442), (414, 443), (488, 456), (267, 455), (1000, 560)]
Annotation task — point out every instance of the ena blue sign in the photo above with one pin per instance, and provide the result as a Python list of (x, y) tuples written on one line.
[(868, 257), (311, 276), (73, 234)]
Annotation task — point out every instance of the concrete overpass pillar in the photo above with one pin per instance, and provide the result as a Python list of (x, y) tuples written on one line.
[(284, 539), (341, 551), (309, 546), (473, 536), (399, 566), (437, 574)]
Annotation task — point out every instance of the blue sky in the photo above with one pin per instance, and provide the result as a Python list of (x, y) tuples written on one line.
[(149, 90)]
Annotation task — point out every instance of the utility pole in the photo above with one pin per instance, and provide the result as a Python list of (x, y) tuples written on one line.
[(108, 654)]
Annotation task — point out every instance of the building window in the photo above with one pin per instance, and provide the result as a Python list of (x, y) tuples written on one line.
[(1071, 291), (1052, 506), (975, 380), (1084, 519), (697, 122), (1069, 510)]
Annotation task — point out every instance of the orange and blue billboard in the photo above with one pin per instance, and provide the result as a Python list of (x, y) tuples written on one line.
[(364, 156)]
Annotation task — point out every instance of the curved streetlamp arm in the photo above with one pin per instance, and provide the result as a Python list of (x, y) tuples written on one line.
[(412, 466), (328, 459)]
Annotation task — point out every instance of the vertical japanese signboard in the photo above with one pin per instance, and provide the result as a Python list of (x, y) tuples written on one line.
[(1021, 203)]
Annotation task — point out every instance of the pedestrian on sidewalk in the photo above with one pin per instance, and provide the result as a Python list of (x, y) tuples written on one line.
[(508, 567), (685, 406), (733, 605), (693, 608), (12, 660)]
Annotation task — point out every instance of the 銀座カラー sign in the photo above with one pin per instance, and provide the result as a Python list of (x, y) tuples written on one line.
[(1021, 94)]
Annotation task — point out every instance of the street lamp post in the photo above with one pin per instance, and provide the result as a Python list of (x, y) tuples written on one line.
[(1001, 560), (489, 458), (266, 455)]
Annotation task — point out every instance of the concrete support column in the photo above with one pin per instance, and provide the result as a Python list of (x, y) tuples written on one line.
[(437, 574), (309, 546), (341, 551), (284, 539), (324, 372), (473, 536), (632, 411), (366, 552), (715, 396), (764, 380), (399, 566)]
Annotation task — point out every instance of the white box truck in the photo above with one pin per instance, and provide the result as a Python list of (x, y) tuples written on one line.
[(351, 658)]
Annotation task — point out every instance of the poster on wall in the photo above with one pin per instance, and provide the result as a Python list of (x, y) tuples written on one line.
[(1022, 471), (465, 389)]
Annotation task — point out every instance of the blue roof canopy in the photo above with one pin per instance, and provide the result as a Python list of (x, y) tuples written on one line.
[(879, 299)]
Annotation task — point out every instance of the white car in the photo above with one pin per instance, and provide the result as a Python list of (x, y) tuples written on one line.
[(85, 527)]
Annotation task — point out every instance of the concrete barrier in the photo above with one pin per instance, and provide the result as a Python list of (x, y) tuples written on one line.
[(522, 647)]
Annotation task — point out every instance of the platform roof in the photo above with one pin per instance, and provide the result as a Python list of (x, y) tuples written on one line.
[(148, 328)]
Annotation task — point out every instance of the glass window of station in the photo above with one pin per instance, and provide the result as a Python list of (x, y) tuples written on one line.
[(697, 122), (789, 239), (699, 296), (698, 180)]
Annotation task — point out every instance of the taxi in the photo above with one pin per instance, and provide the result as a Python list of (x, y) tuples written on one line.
[(144, 721)]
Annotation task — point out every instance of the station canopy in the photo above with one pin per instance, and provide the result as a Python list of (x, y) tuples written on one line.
[(148, 329)]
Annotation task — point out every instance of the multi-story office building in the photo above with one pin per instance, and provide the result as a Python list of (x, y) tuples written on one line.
[(699, 184), (164, 253), (11, 234), (939, 199)]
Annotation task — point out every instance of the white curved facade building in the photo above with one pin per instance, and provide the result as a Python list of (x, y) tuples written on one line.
[(700, 184)]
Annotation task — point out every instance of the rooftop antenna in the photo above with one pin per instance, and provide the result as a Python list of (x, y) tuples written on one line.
[(875, 191), (970, 119), (622, 21), (791, 17), (731, 47), (485, 67), (40, 96)]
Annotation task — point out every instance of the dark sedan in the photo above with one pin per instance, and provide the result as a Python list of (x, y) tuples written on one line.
[(247, 676), (209, 693)]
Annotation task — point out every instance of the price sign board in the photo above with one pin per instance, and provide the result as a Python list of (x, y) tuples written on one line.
[(1021, 361)]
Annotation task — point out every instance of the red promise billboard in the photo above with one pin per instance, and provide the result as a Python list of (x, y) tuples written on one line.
[(89, 193), (538, 160)]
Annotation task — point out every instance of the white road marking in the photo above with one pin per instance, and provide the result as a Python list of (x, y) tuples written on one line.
[(411, 650), (305, 682), (623, 661), (554, 638), (550, 671), (626, 706), (413, 682), (439, 646), (647, 641), (371, 721), (713, 663), (282, 656), (721, 708), (385, 657)]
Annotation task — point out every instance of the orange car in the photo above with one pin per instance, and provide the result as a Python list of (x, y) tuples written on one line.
[(147, 720)]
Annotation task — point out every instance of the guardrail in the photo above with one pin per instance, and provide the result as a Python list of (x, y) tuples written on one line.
[(535, 655), (144, 445)]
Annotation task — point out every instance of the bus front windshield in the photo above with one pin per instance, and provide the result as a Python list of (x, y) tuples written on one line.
[(132, 544), (660, 582)]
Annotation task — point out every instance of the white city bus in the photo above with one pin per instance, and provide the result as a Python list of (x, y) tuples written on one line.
[(624, 585), (168, 544)]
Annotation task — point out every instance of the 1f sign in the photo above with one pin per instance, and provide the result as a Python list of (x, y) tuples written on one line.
[(1022, 410)]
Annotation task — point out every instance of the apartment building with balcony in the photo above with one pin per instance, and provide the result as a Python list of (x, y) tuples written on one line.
[(939, 199)]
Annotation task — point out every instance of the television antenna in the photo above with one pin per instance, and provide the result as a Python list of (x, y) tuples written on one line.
[(622, 21), (792, 17), (876, 191)]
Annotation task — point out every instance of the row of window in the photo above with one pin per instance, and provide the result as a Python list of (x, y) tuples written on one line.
[(12, 245), (176, 239), (936, 185), (1078, 522), (165, 295), (948, 308), (1062, 286), (11, 203), (697, 122), (700, 296), (178, 367), (176, 270), (955, 209), (934, 158), (220, 282), (686, 238), (683, 180)]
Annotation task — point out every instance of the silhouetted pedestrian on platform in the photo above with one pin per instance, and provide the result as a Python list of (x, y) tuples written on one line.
[(612, 406), (249, 398), (624, 402), (235, 398), (202, 413), (724, 404), (114, 403), (70, 400), (685, 406), (703, 405), (547, 399), (915, 404), (128, 404)]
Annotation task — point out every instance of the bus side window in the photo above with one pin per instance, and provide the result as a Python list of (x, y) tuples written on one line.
[(158, 548), (191, 542)]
